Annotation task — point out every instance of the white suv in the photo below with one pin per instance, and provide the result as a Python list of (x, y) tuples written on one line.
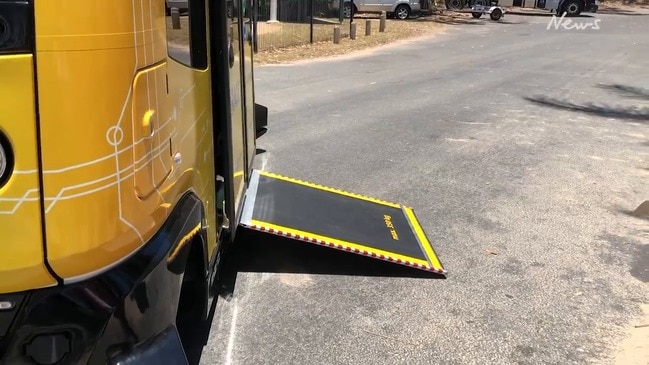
[(401, 9)]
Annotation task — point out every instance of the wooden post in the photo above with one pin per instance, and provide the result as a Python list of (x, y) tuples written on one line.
[(368, 27), (352, 31), (382, 22), (336, 34), (175, 18)]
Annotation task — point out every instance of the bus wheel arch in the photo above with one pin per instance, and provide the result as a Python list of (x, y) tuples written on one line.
[(193, 299)]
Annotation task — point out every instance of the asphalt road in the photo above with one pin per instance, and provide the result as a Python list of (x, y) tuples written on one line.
[(521, 149)]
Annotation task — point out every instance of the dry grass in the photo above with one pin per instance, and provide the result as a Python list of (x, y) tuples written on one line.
[(629, 3), (324, 46), (288, 42), (274, 36), (623, 7), (178, 37)]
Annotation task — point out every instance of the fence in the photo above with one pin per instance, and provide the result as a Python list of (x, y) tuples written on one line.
[(297, 22)]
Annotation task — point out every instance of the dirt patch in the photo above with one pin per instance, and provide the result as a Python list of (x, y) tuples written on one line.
[(396, 30), (634, 349), (178, 38), (623, 7), (281, 43), (626, 3)]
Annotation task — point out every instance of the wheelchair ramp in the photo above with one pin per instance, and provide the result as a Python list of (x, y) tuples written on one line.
[(336, 219)]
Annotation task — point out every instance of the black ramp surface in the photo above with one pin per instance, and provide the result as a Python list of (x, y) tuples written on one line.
[(330, 214)]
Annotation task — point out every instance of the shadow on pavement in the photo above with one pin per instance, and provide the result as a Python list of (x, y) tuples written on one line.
[(200, 335), (450, 21), (522, 13), (635, 113), (259, 252), (544, 14), (627, 91), (506, 22)]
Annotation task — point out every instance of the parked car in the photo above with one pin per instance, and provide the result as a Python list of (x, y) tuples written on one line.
[(400, 9)]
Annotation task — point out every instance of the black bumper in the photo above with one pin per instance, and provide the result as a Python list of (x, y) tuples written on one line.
[(119, 316), (591, 8)]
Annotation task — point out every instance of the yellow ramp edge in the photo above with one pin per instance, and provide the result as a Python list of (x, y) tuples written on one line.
[(337, 219)]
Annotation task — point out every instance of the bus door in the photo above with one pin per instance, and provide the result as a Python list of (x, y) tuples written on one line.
[(229, 103), (237, 107), (249, 92)]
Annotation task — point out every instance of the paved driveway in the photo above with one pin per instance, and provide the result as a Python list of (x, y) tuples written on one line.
[(521, 149)]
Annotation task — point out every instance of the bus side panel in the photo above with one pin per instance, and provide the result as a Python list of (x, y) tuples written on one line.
[(190, 105), (101, 81), (22, 264)]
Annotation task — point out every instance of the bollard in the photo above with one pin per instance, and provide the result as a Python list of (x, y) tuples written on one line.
[(382, 22), (368, 27), (336, 34), (352, 31), (175, 18)]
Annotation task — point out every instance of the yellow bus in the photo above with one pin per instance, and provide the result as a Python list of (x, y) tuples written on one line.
[(127, 141)]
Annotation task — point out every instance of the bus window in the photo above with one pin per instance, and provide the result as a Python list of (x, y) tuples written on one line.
[(187, 40)]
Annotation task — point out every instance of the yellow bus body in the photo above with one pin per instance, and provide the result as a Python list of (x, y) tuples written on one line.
[(21, 261), (118, 151)]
